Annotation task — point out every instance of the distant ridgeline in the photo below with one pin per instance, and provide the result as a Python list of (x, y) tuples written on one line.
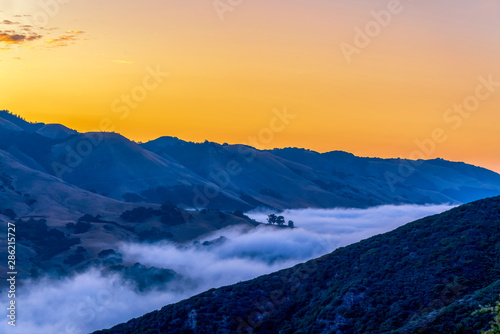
[(235, 177), (428, 276)]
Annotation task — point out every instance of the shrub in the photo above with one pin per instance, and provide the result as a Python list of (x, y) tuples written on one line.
[(82, 227)]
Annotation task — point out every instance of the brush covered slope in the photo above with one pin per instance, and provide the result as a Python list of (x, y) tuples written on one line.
[(428, 276)]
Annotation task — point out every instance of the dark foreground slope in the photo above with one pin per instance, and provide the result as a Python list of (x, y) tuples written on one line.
[(425, 277)]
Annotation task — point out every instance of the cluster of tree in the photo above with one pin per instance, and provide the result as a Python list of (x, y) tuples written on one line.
[(77, 257), (8, 213), (7, 113), (139, 214), (168, 213), (46, 241), (145, 278), (80, 227), (279, 220), (84, 223)]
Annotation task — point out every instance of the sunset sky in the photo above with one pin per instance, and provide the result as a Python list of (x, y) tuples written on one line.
[(230, 67)]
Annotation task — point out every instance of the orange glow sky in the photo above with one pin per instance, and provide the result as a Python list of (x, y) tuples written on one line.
[(227, 76)]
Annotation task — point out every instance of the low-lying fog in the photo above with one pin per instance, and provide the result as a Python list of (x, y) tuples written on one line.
[(91, 301)]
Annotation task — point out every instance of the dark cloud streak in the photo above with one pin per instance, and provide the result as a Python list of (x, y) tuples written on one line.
[(15, 38), (21, 33), (8, 22)]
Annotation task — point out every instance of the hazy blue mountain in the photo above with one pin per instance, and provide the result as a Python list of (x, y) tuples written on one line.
[(295, 178), (428, 276), (230, 177), (429, 176)]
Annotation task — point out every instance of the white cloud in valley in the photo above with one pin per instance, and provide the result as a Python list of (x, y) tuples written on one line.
[(92, 300)]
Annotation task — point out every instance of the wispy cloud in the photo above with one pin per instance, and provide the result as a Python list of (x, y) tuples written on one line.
[(61, 41), (70, 37)]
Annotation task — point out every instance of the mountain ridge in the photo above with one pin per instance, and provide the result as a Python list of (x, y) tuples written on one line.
[(237, 177), (309, 167)]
